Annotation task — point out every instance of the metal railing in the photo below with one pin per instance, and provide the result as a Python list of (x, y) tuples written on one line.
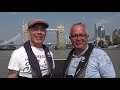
[(59, 59)]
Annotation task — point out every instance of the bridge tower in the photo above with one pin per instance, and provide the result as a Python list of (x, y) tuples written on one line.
[(25, 33), (60, 37)]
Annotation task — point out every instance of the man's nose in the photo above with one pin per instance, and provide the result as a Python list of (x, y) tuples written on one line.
[(39, 31)]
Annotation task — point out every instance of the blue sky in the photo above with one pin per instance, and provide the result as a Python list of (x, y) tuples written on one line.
[(11, 22)]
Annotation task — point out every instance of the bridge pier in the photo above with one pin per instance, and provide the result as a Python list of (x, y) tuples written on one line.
[(60, 37)]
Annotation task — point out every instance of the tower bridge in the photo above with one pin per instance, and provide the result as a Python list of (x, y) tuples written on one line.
[(9, 44), (63, 40), (59, 31)]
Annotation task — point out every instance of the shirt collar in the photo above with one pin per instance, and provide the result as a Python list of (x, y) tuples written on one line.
[(81, 53)]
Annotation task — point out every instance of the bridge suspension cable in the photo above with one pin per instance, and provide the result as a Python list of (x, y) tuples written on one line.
[(11, 40)]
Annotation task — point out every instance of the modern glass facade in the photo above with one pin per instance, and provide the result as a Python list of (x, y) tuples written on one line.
[(99, 31)]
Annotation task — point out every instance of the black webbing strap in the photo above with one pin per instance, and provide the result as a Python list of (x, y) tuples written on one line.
[(68, 60), (49, 59), (84, 61), (34, 62), (32, 59)]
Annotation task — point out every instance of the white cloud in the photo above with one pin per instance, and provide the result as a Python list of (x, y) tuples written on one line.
[(103, 21), (81, 18), (84, 18), (13, 13)]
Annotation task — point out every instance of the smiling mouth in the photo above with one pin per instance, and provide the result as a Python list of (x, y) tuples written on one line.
[(78, 43), (39, 37)]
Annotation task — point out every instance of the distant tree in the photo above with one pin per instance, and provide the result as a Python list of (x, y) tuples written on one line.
[(109, 43), (101, 43), (116, 40)]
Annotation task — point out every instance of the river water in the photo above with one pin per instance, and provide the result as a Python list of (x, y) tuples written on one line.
[(58, 54)]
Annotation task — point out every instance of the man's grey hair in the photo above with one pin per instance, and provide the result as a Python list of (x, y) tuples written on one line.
[(80, 24)]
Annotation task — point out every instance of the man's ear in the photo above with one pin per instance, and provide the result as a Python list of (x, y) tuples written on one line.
[(87, 35)]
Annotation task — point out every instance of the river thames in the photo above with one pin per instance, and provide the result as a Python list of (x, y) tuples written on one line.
[(59, 56)]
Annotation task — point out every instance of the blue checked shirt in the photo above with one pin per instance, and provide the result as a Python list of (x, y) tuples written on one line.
[(99, 65)]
